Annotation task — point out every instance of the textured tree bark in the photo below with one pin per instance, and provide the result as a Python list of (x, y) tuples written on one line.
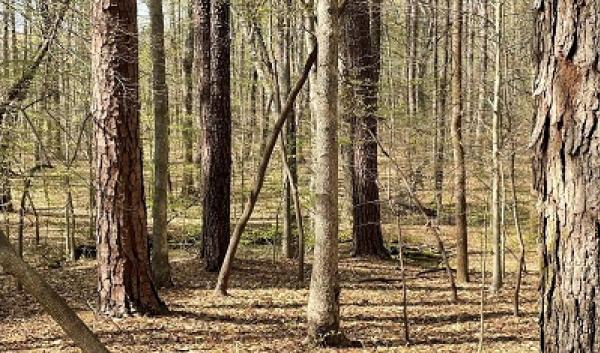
[(460, 212), (160, 244), (213, 61), (566, 142), (324, 295), (361, 70), (216, 148), (125, 284)]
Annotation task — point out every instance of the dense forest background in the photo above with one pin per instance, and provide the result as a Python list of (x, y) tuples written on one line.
[(55, 127)]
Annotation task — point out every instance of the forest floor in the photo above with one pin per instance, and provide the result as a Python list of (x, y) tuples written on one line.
[(266, 311)]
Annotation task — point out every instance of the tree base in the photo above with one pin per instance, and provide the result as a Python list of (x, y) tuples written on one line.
[(220, 292), (330, 340)]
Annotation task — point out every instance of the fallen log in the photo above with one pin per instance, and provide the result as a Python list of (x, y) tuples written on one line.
[(54, 304)]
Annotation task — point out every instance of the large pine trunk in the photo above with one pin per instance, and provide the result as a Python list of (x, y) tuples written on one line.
[(361, 70), (125, 283), (566, 142), (216, 158)]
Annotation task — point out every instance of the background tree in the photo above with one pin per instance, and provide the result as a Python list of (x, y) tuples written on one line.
[(498, 270), (160, 244), (216, 147), (361, 56), (460, 197)]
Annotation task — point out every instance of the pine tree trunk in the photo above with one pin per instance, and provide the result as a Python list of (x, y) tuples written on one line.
[(324, 295), (566, 142), (216, 160), (125, 284), (362, 77)]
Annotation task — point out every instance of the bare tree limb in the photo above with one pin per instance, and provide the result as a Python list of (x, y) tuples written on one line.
[(18, 91)]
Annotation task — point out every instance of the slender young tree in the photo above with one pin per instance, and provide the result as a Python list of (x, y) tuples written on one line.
[(441, 58), (125, 281), (160, 244), (460, 197), (213, 16), (566, 141), (188, 83), (497, 203), (283, 50), (324, 295)]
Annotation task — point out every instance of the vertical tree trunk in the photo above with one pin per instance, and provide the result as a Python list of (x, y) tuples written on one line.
[(483, 67), (160, 244), (188, 129), (5, 38), (462, 256), (362, 77), (566, 142), (497, 205), (324, 295), (440, 94), (310, 43), (125, 284), (284, 43), (202, 56), (216, 160), (5, 192)]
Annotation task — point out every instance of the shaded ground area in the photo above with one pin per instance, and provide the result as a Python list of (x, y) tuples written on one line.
[(266, 311)]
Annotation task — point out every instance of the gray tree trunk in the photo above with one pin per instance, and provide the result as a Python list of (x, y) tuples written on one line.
[(566, 142), (324, 295), (497, 273), (160, 244), (460, 212)]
